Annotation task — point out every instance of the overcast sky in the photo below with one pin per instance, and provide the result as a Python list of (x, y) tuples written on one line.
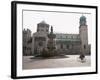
[(61, 22)]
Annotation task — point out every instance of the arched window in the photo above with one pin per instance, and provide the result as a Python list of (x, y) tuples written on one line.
[(84, 46), (61, 46), (46, 30), (37, 30)]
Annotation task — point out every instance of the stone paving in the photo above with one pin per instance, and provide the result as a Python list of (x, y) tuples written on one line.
[(70, 61)]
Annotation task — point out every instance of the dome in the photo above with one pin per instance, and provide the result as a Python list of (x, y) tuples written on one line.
[(82, 18), (43, 22)]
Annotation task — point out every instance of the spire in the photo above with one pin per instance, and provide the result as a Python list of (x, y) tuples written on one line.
[(51, 29)]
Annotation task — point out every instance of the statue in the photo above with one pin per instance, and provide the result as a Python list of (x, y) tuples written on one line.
[(50, 51), (51, 29), (51, 42)]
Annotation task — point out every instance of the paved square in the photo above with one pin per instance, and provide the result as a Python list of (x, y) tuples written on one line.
[(72, 61)]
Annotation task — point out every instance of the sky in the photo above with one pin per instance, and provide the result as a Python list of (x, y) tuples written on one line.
[(61, 22)]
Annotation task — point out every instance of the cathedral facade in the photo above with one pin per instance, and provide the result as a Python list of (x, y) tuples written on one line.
[(64, 43)]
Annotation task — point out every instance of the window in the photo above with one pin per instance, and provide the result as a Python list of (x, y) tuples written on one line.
[(67, 46), (47, 30), (40, 43), (84, 46), (37, 30), (61, 46)]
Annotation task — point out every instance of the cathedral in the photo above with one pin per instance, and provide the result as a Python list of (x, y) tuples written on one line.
[(70, 44)]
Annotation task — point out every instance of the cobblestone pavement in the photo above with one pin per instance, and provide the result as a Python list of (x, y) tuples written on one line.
[(72, 61)]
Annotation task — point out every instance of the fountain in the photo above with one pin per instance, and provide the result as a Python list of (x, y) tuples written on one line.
[(50, 51), (51, 42)]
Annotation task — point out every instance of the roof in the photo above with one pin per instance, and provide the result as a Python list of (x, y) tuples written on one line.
[(42, 22), (58, 35), (82, 18), (67, 37)]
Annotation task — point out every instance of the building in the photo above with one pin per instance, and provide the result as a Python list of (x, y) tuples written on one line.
[(27, 42), (68, 43), (74, 43), (39, 38), (64, 43)]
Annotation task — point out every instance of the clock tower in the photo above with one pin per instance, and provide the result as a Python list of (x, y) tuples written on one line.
[(83, 32)]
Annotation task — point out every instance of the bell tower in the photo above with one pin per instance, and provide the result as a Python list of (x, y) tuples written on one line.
[(83, 32), (43, 27)]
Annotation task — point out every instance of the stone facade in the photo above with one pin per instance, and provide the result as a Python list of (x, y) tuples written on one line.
[(64, 43), (68, 43), (83, 31), (39, 38), (27, 42)]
